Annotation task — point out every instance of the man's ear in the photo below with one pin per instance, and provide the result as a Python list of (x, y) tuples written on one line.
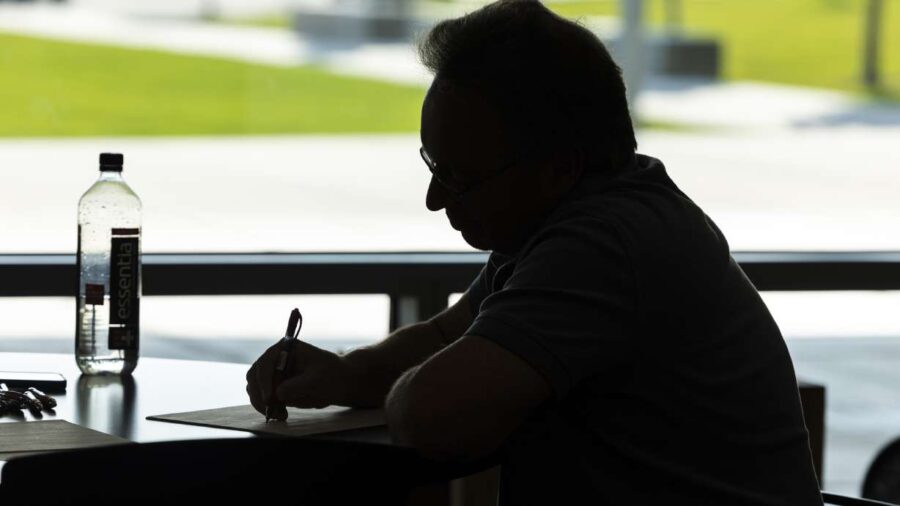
[(569, 168)]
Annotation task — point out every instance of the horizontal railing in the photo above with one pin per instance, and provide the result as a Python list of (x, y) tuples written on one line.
[(418, 284)]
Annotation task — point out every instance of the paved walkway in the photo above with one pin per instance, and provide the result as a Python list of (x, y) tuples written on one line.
[(816, 189), (394, 62)]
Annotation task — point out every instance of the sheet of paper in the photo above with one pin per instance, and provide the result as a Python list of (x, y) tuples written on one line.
[(21, 438), (300, 422)]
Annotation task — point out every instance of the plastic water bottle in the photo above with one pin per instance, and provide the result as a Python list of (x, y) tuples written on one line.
[(109, 273)]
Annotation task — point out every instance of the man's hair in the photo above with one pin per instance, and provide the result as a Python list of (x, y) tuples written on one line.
[(553, 81)]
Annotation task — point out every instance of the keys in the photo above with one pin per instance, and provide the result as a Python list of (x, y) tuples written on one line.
[(32, 399)]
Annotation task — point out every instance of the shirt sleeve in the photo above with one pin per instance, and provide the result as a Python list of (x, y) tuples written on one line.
[(567, 307), (482, 285), (477, 291)]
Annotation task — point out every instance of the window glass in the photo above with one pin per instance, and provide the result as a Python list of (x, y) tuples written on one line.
[(214, 328)]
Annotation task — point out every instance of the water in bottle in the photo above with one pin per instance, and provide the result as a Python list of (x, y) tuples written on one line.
[(109, 273)]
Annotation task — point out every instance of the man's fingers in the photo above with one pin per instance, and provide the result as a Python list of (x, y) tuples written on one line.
[(252, 391), (263, 370), (260, 376), (257, 397), (255, 401), (264, 384)]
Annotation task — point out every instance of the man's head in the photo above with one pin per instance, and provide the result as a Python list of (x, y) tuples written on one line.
[(522, 104)]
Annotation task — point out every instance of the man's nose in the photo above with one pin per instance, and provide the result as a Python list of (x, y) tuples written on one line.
[(436, 198)]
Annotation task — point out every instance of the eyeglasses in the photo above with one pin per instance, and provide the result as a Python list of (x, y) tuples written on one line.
[(453, 186)]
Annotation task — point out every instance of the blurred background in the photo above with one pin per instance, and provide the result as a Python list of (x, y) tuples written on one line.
[(292, 126)]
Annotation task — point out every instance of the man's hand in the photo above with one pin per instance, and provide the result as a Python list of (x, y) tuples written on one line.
[(363, 377), (316, 378)]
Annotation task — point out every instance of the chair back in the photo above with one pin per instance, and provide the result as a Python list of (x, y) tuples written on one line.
[(882, 480)]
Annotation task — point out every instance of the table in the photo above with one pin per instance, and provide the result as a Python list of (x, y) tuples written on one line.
[(120, 405)]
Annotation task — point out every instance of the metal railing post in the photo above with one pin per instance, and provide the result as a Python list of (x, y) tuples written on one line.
[(409, 308)]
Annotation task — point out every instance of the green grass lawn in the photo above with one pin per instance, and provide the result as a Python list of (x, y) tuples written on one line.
[(806, 42), (52, 88)]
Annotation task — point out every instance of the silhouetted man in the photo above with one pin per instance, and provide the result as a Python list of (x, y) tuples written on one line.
[(611, 351)]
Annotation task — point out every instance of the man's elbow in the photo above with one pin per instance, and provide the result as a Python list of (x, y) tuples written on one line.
[(399, 425), (408, 427), (429, 443), (409, 430), (435, 439), (418, 419)]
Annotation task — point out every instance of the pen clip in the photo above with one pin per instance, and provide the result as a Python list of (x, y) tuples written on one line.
[(295, 322), (299, 324)]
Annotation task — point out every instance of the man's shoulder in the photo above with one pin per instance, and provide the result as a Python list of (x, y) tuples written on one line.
[(648, 210), (640, 221), (574, 237), (642, 194), (635, 211)]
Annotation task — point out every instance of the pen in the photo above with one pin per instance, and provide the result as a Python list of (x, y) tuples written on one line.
[(274, 409)]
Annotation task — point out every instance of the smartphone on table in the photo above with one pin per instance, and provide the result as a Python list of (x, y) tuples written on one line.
[(47, 382)]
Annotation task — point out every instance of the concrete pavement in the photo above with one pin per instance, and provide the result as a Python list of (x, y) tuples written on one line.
[(393, 62)]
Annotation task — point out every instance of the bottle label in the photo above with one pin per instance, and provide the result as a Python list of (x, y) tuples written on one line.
[(124, 296), (93, 294), (123, 338)]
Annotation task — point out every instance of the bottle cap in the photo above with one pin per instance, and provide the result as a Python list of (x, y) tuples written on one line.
[(111, 162)]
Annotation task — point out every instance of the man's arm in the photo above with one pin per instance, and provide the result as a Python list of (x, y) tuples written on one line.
[(382, 363), (464, 401)]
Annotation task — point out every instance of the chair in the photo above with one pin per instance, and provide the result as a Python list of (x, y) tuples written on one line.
[(882, 480), (843, 500)]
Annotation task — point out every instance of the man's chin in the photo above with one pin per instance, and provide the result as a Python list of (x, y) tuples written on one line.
[(475, 240)]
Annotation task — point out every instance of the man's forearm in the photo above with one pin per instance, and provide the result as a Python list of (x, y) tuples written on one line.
[(382, 363)]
